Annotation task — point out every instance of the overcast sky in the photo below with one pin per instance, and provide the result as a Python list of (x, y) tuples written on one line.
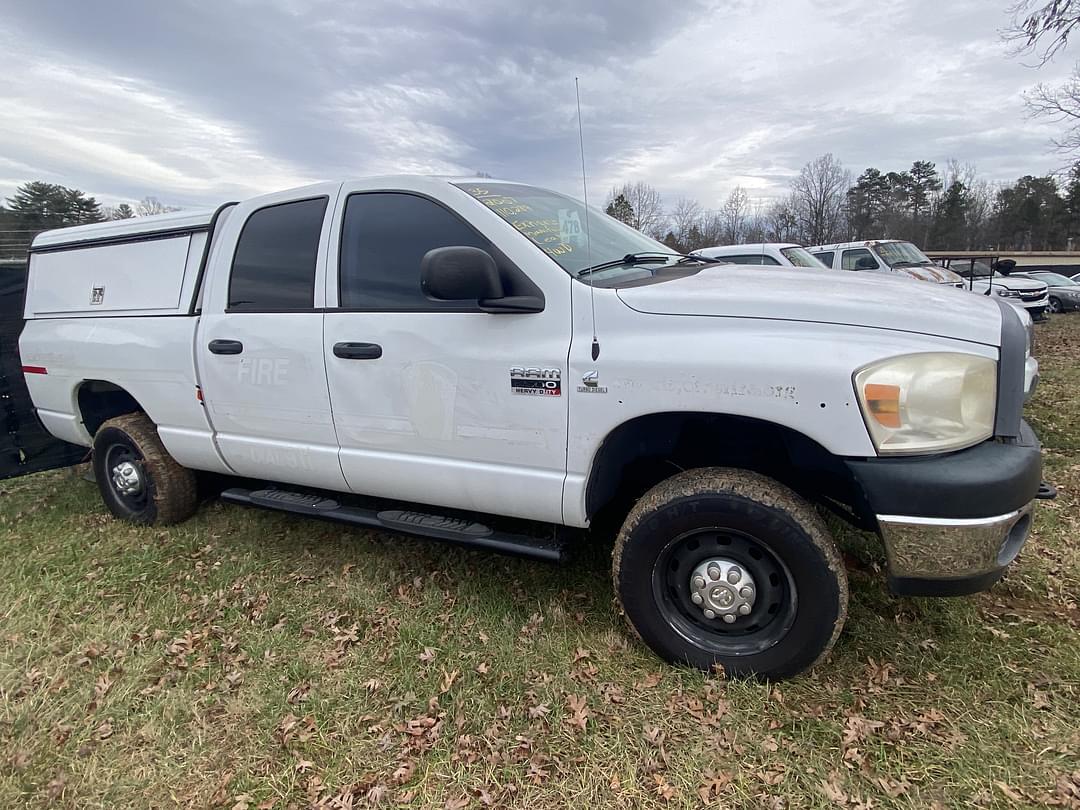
[(195, 103)]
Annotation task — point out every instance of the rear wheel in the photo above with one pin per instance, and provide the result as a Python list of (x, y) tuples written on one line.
[(1055, 305), (139, 481), (722, 566)]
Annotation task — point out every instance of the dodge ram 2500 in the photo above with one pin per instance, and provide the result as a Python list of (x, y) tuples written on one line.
[(487, 363)]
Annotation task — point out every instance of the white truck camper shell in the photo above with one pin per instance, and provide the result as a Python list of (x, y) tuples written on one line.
[(143, 266)]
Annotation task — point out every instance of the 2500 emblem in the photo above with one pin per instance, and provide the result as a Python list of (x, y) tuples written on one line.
[(533, 381)]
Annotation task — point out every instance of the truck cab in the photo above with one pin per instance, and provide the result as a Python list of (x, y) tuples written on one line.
[(489, 363)]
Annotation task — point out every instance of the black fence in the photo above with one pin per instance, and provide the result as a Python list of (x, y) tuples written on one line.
[(14, 244), (25, 446)]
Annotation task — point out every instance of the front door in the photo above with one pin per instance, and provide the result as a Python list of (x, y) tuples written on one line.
[(259, 345), (437, 402)]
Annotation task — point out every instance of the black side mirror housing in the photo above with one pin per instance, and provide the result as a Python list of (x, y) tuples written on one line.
[(460, 273)]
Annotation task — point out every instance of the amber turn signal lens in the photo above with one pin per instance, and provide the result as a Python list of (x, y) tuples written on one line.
[(883, 402)]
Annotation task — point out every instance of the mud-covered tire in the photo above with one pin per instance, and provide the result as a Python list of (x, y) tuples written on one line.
[(155, 490), (729, 517)]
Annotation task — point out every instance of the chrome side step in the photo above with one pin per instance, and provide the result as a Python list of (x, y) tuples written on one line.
[(422, 524)]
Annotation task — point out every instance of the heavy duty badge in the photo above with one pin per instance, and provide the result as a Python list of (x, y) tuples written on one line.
[(590, 383), (532, 381)]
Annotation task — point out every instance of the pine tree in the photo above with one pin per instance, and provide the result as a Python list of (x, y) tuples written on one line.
[(47, 205), (621, 209)]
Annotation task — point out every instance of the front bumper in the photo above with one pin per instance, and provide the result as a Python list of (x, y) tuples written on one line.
[(952, 523), (950, 557)]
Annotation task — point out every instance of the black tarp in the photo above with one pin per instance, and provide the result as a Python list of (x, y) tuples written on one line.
[(25, 446)]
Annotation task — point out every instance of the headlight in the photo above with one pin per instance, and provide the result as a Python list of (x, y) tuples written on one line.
[(1004, 293), (932, 402)]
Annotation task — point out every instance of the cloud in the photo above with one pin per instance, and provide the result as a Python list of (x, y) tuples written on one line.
[(195, 103)]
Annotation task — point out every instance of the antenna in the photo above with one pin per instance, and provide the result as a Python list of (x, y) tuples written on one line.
[(588, 237)]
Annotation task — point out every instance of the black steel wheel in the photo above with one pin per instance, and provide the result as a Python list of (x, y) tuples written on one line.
[(746, 600), (138, 480), (727, 567)]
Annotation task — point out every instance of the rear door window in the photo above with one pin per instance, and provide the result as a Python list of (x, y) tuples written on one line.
[(825, 258), (273, 268)]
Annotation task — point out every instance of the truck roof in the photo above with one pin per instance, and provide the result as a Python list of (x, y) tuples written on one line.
[(178, 220), (860, 243)]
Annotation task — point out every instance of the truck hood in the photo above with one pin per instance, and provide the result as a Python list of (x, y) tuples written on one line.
[(1018, 284), (930, 272), (823, 296)]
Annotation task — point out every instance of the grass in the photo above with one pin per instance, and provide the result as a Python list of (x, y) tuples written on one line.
[(251, 660)]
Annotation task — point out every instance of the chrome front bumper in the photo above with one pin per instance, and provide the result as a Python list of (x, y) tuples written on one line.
[(974, 551)]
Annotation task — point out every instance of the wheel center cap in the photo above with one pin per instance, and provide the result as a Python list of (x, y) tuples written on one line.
[(125, 477), (722, 588)]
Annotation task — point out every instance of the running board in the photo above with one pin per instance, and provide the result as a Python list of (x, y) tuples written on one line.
[(422, 524)]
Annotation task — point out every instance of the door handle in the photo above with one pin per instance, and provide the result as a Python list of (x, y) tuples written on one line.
[(358, 351), (226, 347)]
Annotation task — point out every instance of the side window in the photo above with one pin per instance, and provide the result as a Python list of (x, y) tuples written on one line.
[(274, 264), (858, 259), (825, 258), (753, 258), (383, 238)]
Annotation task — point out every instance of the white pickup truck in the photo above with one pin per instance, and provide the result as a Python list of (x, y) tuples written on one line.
[(485, 362)]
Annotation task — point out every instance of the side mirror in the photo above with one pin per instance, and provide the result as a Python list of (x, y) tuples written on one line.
[(460, 274), (866, 263)]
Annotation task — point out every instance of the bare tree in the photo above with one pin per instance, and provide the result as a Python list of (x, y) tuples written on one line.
[(818, 196), (733, 215), (647, 206), (685, 218), (149, 206), (1042, 27), (781, 224), (1060, 104)]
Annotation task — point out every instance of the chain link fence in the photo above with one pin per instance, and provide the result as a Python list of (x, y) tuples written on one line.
[(14, 244)]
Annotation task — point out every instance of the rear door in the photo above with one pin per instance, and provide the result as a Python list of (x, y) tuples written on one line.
[(259, 343), (434, 411)]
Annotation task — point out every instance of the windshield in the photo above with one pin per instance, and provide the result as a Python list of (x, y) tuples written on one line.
[(1054, 279), (898, 254), (801, 257), (556, 225)]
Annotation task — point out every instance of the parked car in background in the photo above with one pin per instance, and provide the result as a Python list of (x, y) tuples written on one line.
[(891, 256), (1064, 292), (993, 276), (779, 254)]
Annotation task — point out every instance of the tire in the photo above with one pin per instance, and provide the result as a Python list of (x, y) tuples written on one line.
[(719, 518), (139, 481), (1055, 305)]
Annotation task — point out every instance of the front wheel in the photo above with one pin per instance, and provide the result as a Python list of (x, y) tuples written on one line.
[(139, 481), (723, 566), (1055, 305)]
